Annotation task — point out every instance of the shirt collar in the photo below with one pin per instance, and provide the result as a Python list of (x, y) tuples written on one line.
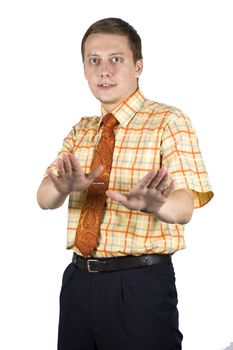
[(127, 109)]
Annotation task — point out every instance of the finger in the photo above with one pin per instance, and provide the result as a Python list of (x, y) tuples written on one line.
[(164, 183), (169, 189), (158, 178), (129, 203), (116, 196), (95, 173), (60, 168), (67, 164), (146, 180), (52, 176), (74, 162)]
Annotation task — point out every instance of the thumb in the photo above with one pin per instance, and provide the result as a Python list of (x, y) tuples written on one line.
[(95, 173), (116, 196)]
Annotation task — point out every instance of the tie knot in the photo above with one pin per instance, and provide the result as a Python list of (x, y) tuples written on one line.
[(110, 121)]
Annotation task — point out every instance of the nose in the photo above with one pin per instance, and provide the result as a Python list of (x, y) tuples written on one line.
[(105, 70)]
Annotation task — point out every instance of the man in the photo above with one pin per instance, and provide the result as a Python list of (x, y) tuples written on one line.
[(136, 183)]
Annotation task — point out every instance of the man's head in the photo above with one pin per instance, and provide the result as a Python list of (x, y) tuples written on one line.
[(112, 57), (119, 27)]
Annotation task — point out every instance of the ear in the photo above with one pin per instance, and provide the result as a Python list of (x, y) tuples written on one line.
[(138, 68)]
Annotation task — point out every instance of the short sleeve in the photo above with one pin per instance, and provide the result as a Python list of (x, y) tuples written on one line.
[(181, 155), (68, 147)]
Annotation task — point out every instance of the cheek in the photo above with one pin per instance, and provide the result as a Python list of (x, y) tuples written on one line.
[(127, 71), (89, 72), (127, 77), (90, 77)]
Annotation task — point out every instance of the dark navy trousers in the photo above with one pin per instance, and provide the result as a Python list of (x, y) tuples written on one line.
[(122, 310)]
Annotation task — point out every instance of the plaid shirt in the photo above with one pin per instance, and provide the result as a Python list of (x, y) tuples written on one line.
[(149, 135)]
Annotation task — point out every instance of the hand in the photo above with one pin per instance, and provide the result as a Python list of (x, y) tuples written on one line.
[(150, 195), (71, 176)]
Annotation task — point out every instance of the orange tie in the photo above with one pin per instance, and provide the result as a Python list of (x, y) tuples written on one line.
[(93, 207)]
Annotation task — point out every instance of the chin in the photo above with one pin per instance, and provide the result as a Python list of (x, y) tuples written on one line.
[(108, 100), (107, 97)]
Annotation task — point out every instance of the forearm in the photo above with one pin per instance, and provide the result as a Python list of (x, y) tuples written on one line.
[(178, 208), (48, 197)]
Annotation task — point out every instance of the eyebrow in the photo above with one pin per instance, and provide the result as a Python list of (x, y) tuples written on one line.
[(111, 54), (116, 53)]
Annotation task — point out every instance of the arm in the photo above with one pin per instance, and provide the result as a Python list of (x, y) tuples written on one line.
[(156, 195), (48, 197), (178, 208), (54, 189)]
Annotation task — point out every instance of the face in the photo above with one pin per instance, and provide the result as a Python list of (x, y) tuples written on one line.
[(110, 69)]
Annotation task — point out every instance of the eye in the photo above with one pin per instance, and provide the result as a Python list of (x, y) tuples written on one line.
[(116, 59), (94, 60)]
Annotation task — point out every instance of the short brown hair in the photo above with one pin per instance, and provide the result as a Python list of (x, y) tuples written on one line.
[(116, 26)]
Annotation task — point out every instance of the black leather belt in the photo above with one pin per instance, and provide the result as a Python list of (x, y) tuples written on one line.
[(119, 263)]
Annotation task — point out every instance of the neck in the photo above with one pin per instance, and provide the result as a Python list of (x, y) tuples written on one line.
[(109, 107)]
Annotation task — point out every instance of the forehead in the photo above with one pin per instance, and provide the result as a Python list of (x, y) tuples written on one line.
[(106, 44)]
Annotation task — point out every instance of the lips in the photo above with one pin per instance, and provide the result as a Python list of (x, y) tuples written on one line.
[(106, 85)]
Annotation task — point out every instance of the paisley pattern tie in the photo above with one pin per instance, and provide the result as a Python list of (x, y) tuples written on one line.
[(89, 223)]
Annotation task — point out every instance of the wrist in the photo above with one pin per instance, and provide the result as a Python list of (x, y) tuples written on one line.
[(161, 214), (151, 211), (164, 215)]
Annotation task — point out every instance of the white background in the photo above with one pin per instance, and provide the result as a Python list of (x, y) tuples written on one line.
[(187, 48)]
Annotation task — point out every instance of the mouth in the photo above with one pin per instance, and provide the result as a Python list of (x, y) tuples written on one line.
[(106, 86)]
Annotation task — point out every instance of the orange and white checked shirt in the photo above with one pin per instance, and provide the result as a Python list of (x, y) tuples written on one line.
[(149, 135)]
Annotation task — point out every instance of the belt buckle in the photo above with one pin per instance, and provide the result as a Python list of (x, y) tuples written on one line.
[(88, 265)]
